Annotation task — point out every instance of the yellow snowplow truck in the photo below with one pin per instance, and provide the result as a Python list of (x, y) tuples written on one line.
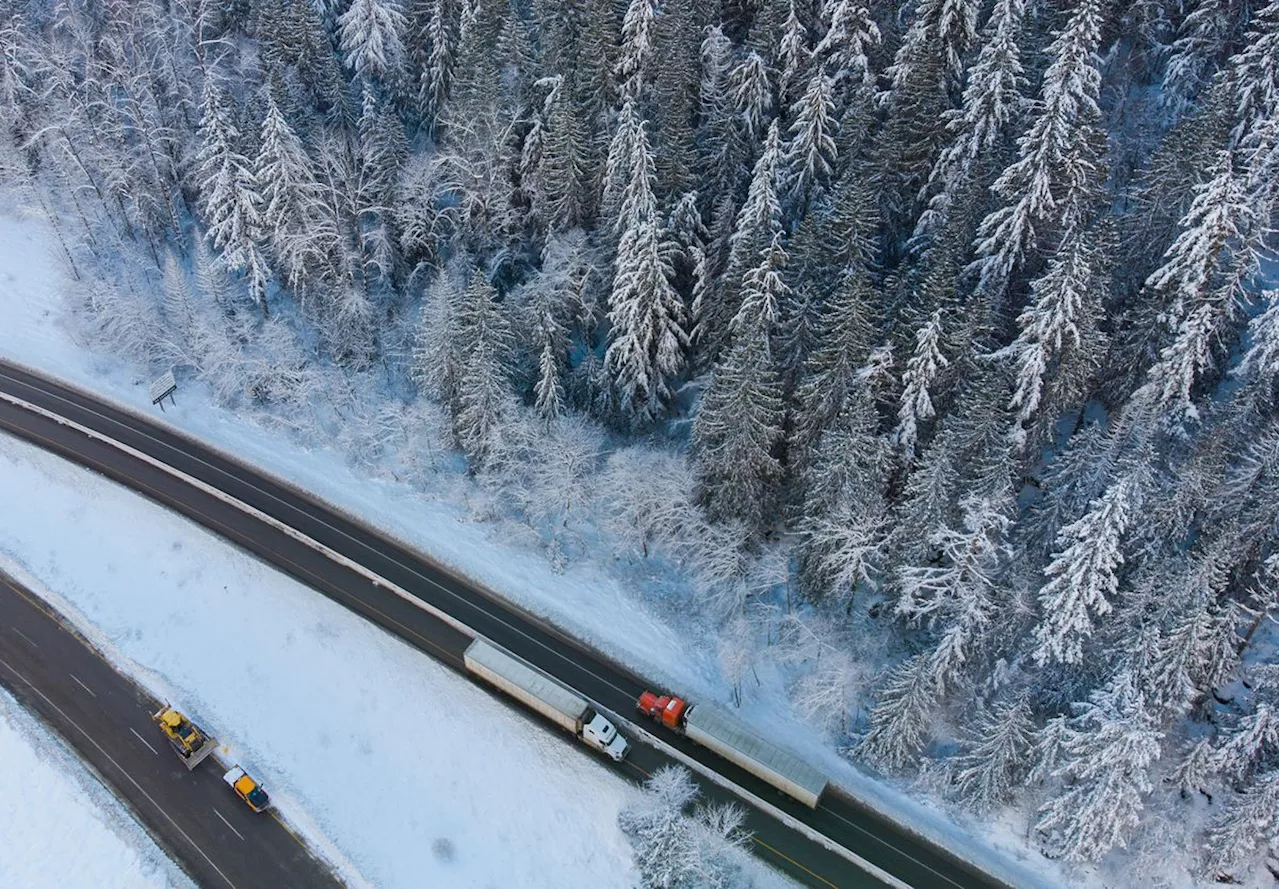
[(187, 740)]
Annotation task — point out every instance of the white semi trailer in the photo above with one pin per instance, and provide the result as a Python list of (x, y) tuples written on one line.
[(538, 691)]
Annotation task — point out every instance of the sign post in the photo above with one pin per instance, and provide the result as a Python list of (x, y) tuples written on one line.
[(163, 387)]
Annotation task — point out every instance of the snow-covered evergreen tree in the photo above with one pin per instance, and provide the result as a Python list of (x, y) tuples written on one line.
[(1052, 182), (647, 339), (995, 754), (793, 55), (1082, 577), (811, 152), (752, 94), (484, 347), (638, 35), (1202, 277), (902, 716), (1107, 751), (294, 216), (851, 33), (923, 367), (229, 195), (1246, 824), (740, 419), (1059, 337), (371, 35)]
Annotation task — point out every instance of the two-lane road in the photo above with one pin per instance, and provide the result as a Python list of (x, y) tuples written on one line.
[(193, 815), (885, 845)]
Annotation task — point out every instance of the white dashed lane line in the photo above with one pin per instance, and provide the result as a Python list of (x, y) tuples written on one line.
[(144, 741), (227, 823), (81, 684)]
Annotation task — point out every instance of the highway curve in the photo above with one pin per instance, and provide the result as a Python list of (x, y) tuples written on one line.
[(105, 718), (902, 857)]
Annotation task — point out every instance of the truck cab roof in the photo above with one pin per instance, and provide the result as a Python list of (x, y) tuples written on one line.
[(602, 728)]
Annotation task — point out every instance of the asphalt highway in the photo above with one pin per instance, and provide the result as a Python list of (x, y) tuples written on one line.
[(885, 844), (104, 717)]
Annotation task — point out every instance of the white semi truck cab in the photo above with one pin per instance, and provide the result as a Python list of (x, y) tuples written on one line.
[(601, 734)]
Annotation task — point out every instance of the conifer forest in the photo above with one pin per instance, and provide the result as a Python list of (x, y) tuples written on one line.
[(930, 345)]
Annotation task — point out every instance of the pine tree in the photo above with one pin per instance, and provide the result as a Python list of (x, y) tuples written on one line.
[(995, 753), (1195, 53), (851, 33), (1246, 824), (293, 212), (1057, 167), (659, 826), (792, 56), (993, 91), (563, 179), (549, 391), (739, 421), (758, 223), (647, 338), (752, 94), (229, 194), (638, 33), (1193, 657), (991, 103), (437, 352), (923, 368), (831, 376), (371, 36), (720, 148), (1255, 73), (811, 152), (1201, 278), (947, 27), (902, 715), (479, 72), (1082, 575), (961, 584), (484, 343), (1107, 751), (436, 76), (1259, 367), (926, 69), (1059, 336), (674, 106)]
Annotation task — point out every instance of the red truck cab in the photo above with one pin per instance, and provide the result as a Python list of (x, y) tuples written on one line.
[(667, 709)]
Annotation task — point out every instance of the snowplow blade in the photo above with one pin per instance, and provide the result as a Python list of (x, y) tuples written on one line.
[(205, 751)]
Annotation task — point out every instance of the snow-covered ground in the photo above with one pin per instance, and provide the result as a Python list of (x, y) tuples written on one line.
[(592, 598), (59, 826), (407, 774), (418, 777)]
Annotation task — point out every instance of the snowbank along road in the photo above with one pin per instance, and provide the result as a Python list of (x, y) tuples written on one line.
[(840, 844), (105, 718)]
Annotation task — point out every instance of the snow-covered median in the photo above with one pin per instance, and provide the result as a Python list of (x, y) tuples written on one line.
[(414, 776), (59, 826)]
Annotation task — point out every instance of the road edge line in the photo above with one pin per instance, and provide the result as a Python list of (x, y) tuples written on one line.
[(379, 581)]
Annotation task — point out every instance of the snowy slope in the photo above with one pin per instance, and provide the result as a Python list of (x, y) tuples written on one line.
[(71, 832), (406, 774), (417, 776), (605, 603)]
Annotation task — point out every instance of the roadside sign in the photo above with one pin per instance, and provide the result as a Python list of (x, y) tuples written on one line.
[(163, 387)]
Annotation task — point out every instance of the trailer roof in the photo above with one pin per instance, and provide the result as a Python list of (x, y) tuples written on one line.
[(527, 676), (732, 732)]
